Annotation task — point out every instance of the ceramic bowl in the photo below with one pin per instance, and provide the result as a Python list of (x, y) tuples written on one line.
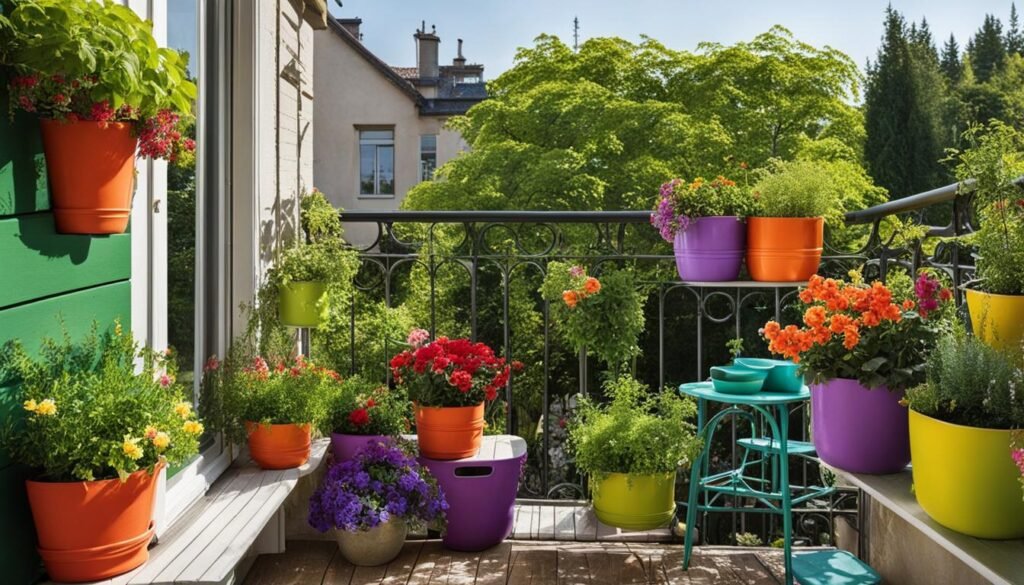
[(781, 375)]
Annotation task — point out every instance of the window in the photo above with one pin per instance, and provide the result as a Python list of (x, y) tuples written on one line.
[(376, 162), (428, 156)]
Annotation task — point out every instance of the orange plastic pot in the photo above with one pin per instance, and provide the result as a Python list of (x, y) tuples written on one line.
[(784, 249), (91, 169), (93, 530), (279, 446), (449, 432)]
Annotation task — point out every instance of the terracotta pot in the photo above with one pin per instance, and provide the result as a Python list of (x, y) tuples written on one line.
[(93, 530), (784, 249), (279, 446), (998, 320), (91, 170), (449, 432)]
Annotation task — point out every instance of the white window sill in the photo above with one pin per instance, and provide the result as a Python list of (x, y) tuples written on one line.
[(376, 197)]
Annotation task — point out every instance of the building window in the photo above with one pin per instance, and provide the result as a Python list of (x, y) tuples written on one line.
[(428, 156), (376, 162)]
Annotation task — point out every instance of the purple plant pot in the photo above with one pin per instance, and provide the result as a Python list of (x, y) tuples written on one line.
[(860, 430), (344, 447), (711, 249)]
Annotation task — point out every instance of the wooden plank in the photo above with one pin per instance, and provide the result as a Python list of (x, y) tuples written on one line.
[(533, 567), (368, 575), (304, 562), (400, 570), (494, 565), (463, 568), (586, 524), (672, 564), (432, 556), (339, 572), (546, 523), (609, 567), (77, 310), (524, 523), (775, 563), (565, 522), (750, 570), (45, 263), (22, 164), (573, 568)]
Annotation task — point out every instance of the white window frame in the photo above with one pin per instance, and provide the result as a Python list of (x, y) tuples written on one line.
[(377, 143)]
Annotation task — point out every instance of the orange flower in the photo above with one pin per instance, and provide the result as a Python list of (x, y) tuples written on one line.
[(571, 297), (592, 285), (820, 335), (815, 317), (870, 318), (806, 296), (840, 322), (771, 329), (908, 305), (851, 337)]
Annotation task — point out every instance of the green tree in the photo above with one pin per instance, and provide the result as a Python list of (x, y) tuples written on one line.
[(1014, 40), (949, 62), (987, 49)]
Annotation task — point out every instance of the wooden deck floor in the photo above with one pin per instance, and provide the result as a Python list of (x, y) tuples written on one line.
[(520, 563)]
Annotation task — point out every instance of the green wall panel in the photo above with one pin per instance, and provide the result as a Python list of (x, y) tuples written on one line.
[(41, 262), (19, 563), (22, 165)]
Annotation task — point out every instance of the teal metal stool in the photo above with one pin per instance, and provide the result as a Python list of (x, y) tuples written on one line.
[(770, 446)]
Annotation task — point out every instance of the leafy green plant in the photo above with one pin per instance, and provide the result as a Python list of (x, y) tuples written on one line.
[(637, 432), (748, 539), (989, 167), (604, 316), (362, 407), (972, 384), (795, 189), (89, 415), (681, 203)]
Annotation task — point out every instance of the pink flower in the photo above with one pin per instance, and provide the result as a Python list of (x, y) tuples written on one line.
[(418, 337), (577, 271), (212, 364), (166, 380)]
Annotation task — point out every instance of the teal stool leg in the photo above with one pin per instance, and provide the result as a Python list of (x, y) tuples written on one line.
[(787, 505), (691, 501)]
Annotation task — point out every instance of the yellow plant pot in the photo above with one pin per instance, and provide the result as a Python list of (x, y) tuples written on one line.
[(998, 320), (300, 304), (965, 479), (634, 502)]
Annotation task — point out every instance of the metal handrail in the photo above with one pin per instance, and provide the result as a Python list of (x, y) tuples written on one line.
[(369, 216), (911, 203)]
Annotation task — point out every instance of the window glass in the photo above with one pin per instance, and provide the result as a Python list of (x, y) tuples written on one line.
[(386, 170), (367, 162), (376, 162), (428, 156)]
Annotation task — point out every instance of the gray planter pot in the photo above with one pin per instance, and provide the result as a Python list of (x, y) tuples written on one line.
[(376, 546)]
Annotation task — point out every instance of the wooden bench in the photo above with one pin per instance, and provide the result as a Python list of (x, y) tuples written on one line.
[(240, 517)]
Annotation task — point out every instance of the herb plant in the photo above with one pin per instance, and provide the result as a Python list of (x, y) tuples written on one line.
[(361, 407), (795, 189), (681, 203), (89, 415), (637, 432)]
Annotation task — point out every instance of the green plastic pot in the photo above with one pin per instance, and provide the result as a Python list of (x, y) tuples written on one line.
[(299, 304), (634, 502)]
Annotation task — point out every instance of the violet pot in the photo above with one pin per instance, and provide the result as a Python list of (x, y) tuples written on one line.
[(711, 249), (858, 429)]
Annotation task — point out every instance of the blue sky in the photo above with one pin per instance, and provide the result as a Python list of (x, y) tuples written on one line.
[(493, 29)]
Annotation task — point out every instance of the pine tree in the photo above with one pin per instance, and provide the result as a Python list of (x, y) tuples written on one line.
[(1014, 40), (950, 63), (987, 49)]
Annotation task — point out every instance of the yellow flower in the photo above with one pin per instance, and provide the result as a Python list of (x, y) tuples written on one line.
[(150, 432), (161, 440), (193, 427), (183, 409), (855, 276), (47, 408), (31, 406), (131, 449)]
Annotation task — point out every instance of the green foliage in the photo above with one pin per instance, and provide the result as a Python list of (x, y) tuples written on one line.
[(748, 539), (320, 220), (81, 38), (796, 189), (605, 321), (379, 332), (970, 383), (363, 407), (89, 415), (637, 432)]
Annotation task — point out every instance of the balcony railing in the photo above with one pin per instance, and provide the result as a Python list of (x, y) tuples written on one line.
[(476, 273)]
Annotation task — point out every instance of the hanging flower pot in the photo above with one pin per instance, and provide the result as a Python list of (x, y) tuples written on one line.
[(300, 303), (634, 502), (279, 446), (449, 432), (711, 249), (997, 319), (965, 479), (111, 528), (784, 249), (91, 169), (858, 429)]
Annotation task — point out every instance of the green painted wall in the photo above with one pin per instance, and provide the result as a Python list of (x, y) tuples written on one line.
[(46, 279)]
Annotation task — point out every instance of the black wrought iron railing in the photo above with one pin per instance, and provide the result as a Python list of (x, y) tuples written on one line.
[(476, 273)]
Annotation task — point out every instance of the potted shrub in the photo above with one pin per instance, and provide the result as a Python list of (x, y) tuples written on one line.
[(704, 222), (785, 237), (313, 268), (96, 434), (103, 91), (961, 421), (862, 346), (603, 316), (275, 408), (363, 412), (631, 448), (448, 381), (373, 500), (989, 168)]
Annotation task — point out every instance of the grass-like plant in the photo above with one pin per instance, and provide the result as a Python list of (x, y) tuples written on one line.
[(795, 189), (637, 432)]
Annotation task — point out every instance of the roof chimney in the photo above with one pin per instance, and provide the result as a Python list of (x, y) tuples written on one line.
[(426, 52), (352, 26), (460, 60)]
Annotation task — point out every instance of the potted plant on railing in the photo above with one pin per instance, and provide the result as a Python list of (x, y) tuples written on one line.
[(862, 346), (104, 91), (96, 434), (785, 237), (365, 412), (604, 316), (275, 408), (448, 381), (990, 167), (961, 422), (632, 448), (313, 268), (373, 500), (704, 222)]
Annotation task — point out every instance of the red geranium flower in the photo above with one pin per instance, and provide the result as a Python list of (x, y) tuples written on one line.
[(359, 417)]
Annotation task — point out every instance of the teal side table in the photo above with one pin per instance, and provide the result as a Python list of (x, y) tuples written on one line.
[(775, 494)]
